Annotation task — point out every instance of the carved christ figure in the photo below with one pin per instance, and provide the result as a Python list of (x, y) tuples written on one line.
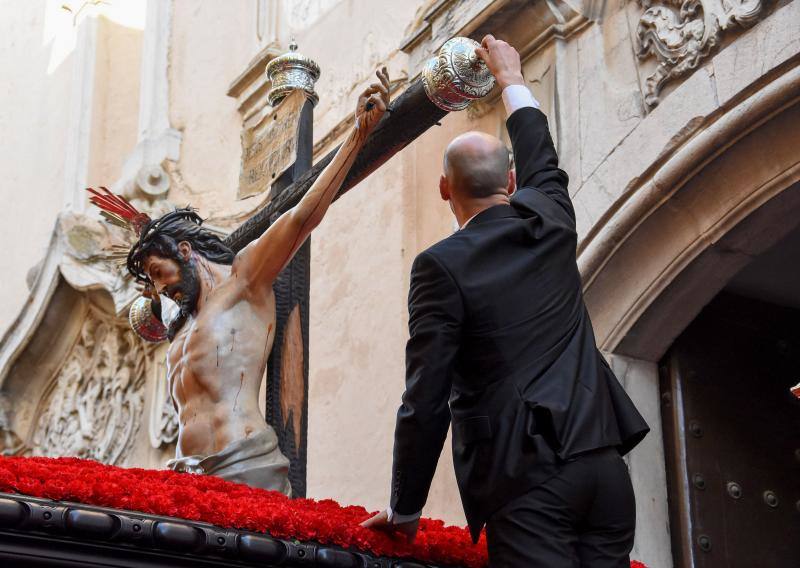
[(223, 334)]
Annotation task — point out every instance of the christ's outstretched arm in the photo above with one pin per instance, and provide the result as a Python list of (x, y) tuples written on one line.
[(260, 262)]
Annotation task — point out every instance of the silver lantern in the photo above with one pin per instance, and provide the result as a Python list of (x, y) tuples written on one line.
[(456, 76)]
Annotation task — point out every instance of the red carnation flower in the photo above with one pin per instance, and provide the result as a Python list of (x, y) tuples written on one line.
[(214, 500)]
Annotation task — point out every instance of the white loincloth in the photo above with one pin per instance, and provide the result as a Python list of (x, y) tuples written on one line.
[(256, 461)]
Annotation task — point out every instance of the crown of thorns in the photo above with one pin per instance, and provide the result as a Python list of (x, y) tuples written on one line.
[(135, 260), (118, 211)]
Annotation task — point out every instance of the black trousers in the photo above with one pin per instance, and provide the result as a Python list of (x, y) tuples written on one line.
[(582, 517)]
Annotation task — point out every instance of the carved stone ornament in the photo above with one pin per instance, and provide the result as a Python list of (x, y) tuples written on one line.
[(456, 76), (153, 181), (93, 407), (681, 34)]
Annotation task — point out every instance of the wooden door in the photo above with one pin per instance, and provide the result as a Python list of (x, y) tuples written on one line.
[(732, 436)]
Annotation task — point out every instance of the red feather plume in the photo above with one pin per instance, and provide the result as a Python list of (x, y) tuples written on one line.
[(118, 210)]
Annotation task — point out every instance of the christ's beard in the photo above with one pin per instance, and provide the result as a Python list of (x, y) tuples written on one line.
[(189, 289)]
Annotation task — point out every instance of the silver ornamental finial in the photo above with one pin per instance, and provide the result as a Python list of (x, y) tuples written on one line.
[(290, 72), (456, 76)]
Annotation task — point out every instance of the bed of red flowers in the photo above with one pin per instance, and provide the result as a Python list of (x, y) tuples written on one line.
[(213, 500)]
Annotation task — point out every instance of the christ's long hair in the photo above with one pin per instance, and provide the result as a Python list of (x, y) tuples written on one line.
[(161, 237)]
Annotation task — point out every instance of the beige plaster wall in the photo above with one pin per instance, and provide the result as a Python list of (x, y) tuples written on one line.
[(356, 334), (350, 42), (115, 105), (300, 14), (359, 279), (36, 67), (211, 43)]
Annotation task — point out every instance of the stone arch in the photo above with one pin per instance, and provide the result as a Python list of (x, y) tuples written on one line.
[(721, 199)]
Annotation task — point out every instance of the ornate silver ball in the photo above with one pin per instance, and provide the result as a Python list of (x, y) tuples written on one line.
[(456, 76), (144, 323)]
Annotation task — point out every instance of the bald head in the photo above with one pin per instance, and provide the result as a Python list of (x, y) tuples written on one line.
[(476, 165)]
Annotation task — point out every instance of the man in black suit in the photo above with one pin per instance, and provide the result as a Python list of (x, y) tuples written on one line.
[(498, 328)]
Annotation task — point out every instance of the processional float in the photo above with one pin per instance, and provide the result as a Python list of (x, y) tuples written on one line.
[(100, 526)]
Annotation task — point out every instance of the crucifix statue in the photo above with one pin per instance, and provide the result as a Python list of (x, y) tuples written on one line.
[(239, 298)]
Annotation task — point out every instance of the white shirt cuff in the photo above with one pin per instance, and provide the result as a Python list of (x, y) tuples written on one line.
[(397, 519), (516, 97)]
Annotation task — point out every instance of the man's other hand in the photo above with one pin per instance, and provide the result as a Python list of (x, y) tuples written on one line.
[(502, 60), (381, 522)]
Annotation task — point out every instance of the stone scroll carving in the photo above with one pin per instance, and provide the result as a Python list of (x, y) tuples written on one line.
[(682, 33), (93, 407)]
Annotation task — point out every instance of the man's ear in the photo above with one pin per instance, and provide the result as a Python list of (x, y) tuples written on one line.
[(512, 182), (444, 188), (185, 249)]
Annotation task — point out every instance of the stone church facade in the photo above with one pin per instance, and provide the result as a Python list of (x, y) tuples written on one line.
[(678, 123)]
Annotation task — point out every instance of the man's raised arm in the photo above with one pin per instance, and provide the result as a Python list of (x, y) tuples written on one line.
[(535, 158), (260, 262)]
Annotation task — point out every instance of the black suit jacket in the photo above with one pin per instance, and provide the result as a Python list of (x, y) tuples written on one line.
[(500, 341)]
